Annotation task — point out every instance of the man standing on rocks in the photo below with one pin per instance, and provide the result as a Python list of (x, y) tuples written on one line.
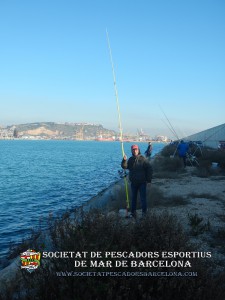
[(140, 174), (182, 151), (148, 152)]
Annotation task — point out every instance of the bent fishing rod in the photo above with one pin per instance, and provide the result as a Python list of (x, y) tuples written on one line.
[(119, 120)]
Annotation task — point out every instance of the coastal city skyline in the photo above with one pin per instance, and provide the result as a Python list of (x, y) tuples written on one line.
[(168, 58), (73, 131)]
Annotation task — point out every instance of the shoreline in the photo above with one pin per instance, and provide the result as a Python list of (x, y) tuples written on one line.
[(85, 140), (98, 201), (202, 197)]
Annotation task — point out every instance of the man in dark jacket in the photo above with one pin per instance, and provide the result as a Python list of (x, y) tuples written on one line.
[(148, 152), (140, 173)]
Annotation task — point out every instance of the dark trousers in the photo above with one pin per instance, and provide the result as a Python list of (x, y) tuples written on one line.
[(184, 158), (141, 188)]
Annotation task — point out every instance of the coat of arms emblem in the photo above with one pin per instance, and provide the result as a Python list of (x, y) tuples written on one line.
[(30, 260)]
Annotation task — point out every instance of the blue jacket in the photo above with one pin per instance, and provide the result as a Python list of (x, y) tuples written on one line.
[(182, 149)]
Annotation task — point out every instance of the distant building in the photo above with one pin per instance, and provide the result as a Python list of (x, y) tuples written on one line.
[(141, 135), (7, 133), (211, 137), (161, 138)]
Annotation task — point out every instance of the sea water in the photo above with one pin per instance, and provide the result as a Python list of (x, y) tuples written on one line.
[(43, 177)]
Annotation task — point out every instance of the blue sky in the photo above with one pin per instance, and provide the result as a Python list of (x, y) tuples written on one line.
[(55, 63)]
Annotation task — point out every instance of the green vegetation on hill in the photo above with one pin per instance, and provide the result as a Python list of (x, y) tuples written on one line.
[(71, 130)]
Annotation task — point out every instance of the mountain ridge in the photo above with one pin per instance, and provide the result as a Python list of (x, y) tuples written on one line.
[(62, 130)]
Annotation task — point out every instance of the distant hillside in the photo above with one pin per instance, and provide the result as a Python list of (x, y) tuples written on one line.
[(63, 130)]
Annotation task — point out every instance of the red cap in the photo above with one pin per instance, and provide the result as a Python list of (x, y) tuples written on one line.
[(134, 147)]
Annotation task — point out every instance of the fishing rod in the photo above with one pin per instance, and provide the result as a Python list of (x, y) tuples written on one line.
[(207, 138), (213, 133), (119, 121), (171, 127)]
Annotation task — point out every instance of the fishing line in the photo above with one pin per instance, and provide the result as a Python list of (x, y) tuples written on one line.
[(213, 133), (169, 128), (173, 130), (119, 119), (176, 135)]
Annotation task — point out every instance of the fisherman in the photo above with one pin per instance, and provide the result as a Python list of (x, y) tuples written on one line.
[(182, 151), (148, 152), (140, 174)]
